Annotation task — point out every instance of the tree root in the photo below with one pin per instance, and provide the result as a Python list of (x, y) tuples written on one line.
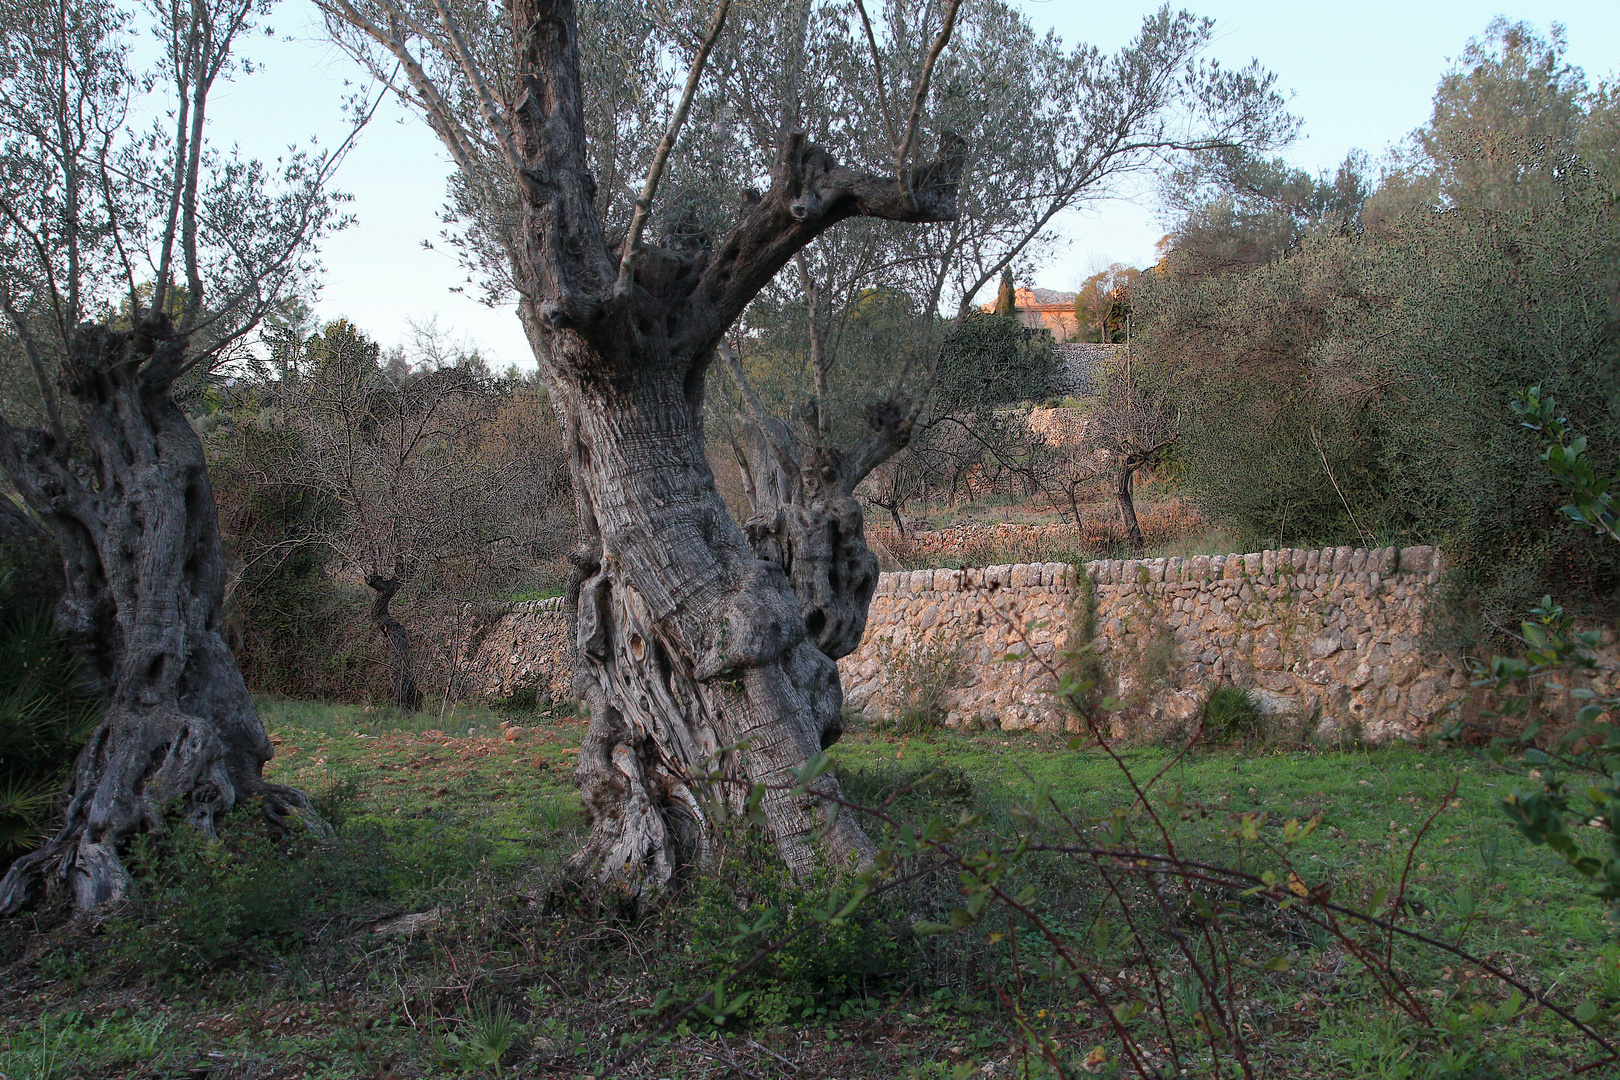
[(140, 771)]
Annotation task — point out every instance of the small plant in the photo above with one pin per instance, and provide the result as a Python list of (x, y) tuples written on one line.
[(1155, 662), (1231, 714), (917, 683), (490, 1032)]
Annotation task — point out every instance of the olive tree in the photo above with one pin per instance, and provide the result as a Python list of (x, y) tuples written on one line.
[(132, 259), (705, 653), (1043, 129)]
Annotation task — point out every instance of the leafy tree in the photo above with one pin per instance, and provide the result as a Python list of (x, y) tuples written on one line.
[(1103, 304), (1006, 296), (1507, 120), (131, 260), (1346, 386)]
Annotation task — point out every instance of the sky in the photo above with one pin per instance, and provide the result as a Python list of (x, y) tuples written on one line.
[(1359, 75)]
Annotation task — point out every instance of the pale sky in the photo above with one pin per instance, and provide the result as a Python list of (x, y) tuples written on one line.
[(1359, 76)]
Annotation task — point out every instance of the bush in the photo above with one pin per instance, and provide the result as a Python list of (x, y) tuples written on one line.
[(201, 903), (45, 717), (916, 682), (1231, 715)]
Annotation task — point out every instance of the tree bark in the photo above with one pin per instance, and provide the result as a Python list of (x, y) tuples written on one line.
[(145, 576), (1123, 483), (406, 693), (699, 664)]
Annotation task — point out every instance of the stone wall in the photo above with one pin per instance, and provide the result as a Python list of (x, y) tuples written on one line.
[(517, 650), (1327, 637)]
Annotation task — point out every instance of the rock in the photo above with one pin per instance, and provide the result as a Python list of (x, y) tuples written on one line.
[(1325, 646), (1280, 706)]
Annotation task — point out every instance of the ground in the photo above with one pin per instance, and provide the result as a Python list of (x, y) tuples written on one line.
[(278, 965)]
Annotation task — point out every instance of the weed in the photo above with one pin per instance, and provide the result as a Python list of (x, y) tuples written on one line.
[(200, 903), (917, 682), (489, 1033)]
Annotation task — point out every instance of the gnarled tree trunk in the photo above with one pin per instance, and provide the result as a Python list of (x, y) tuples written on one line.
[(145, 576), (698, 661), (1124, 498), (406, 693)]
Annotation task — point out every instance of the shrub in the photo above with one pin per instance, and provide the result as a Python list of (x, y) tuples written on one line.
[(201, 903), (1231, 715), (916, 683), (45, 717)]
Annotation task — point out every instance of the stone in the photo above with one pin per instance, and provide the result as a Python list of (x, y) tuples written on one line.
[(1324, 646), (1279, 706), (1417, 560)]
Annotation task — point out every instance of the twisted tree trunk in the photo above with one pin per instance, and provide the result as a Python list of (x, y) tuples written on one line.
[(406, 694), (698, 661), (1124, 498), (145, 575)]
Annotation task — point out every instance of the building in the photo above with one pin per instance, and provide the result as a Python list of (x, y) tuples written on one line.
[(1045, 309)]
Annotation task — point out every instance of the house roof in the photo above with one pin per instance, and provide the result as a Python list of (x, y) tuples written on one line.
[(1042, 300)]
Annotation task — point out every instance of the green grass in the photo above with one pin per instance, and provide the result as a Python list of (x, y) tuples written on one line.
[(513, 972)]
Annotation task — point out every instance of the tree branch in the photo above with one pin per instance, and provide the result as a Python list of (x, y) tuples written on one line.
[(810, 192), (877, 73), (31, 350), (903, 150), (655, 172), (486, 100)]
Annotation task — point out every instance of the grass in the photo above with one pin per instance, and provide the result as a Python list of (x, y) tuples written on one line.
[(508, 976)]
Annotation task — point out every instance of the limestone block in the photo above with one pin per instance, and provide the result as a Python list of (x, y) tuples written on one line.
[(1253, 564), (1417, 560), (1358, 561), (1324, 646), (1277, 705), (1426, 697), (1174, 569), (1268, 562), (1313, 562), (927, 617), (1388, 561), (1155, 569)]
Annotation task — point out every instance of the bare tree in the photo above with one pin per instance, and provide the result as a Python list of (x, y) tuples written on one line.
[(130, 261), (1132, 424), (399, 452)]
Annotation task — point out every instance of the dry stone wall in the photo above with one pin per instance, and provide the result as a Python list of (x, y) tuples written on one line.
[(1328, 639), (514, 651)]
